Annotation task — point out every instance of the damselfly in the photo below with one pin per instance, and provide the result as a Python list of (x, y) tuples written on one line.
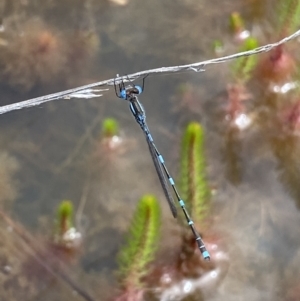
[(130, 93)]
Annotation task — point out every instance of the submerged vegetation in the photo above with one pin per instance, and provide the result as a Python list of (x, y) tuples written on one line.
[(110, 128), (140, 247), (194, 184), (243, 128), (66, 235)]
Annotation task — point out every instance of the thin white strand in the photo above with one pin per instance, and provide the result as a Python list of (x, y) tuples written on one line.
[(197, 67)]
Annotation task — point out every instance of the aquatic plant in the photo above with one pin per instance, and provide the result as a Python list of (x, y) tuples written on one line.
[(218, 46), (110, 127), (66, 235), (232, 155), (290, 117), (279, 65), (237, 26), (33, 52), (242, 67), (236, 22), (237, 93), (110, 138), (64, 216), (35, 55), (36, 265), (288, 12), (141, 244), (194, 185)]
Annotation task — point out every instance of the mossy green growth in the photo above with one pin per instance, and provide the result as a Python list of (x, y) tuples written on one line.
[(110, 127), (64, 217), (141, 242), (288, 12), (242, 67), (218, 46), (194, 185), (236, 22)]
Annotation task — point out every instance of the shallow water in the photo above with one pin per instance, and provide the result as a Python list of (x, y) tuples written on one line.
[(54, 152)]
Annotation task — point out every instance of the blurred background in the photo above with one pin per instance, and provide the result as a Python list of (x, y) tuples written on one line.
[(56, 151)]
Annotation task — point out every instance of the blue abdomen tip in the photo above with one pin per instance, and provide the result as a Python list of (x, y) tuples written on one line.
[(206, 256)]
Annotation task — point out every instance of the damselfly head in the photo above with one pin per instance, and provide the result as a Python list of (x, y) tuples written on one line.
[(129, 90)]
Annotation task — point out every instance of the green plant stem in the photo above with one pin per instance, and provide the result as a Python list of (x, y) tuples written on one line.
[(141, 242), (194, 184)]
